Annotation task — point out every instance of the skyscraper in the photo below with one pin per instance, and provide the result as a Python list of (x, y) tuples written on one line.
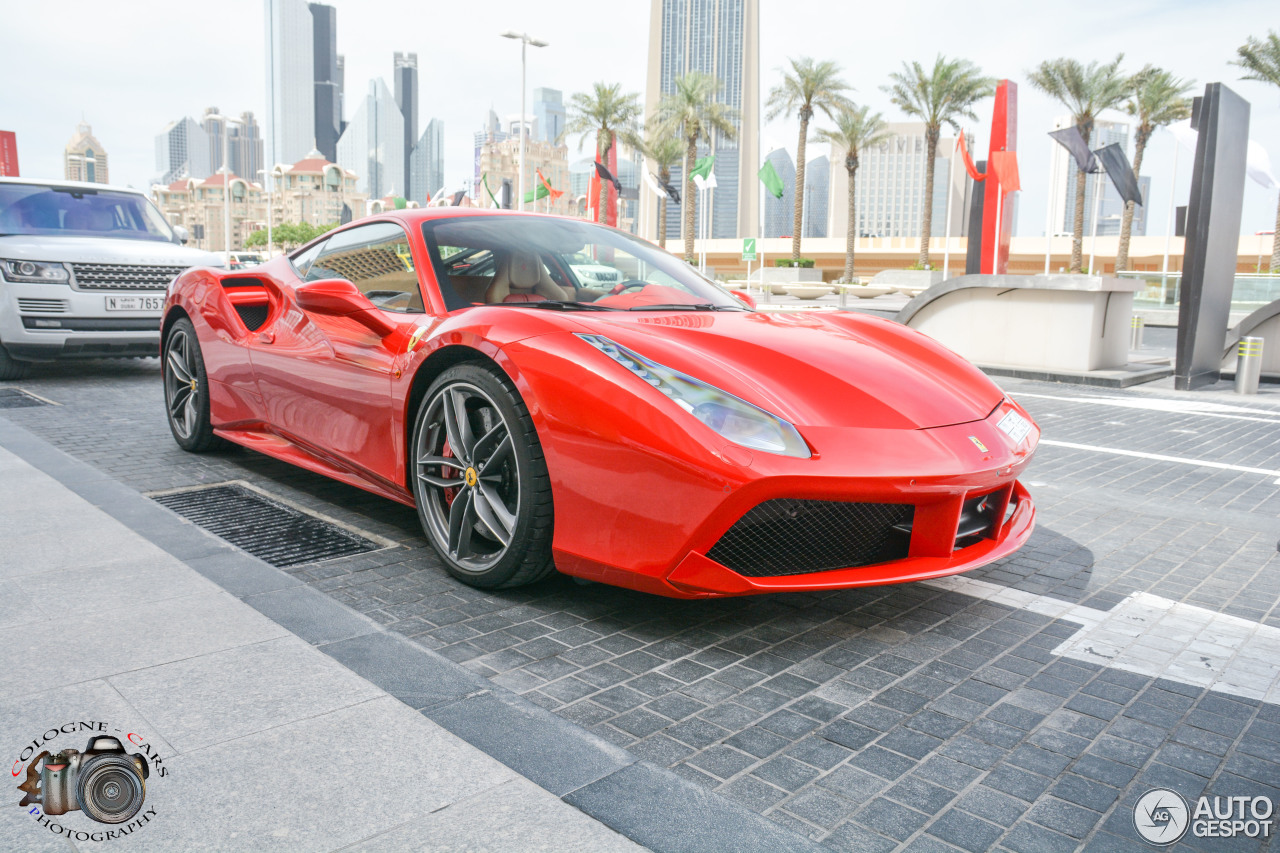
[(244, 143), (342, 93), (328, 100), (405, 81), (779, 213), (890, 187), (291, 110), (817, 190), (372, 146), (182, 151), (722, 38), (84, 158), (548, 113), (426, 163), (491, 132)]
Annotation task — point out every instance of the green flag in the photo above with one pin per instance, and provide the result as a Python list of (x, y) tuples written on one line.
[(536, 193), (703, 167), (484, 179), (772, 182)]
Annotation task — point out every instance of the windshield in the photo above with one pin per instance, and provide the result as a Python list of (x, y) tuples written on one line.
[(76, 212), (567, 263)]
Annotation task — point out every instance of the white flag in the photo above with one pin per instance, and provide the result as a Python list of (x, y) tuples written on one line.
[(654, 185), (1257, 163), (707, 183)]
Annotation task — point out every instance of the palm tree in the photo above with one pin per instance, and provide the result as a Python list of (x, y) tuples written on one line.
[(610, 114), (692, 113), (943, 95), (807, 86), (857, 129), (1157, 100), (1261, 59), (1086, 91), (665, 150)]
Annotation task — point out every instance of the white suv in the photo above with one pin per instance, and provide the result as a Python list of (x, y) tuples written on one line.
[(83, 272)]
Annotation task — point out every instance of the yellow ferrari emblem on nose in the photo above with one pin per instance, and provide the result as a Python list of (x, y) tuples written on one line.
[(472, 477), (977, 443)]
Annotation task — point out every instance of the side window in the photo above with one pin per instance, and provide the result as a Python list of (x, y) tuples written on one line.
[(302, 262), (376, 259)]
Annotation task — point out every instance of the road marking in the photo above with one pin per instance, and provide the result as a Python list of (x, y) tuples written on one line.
[(1177, 407), (1156, 637), (1160, 457)]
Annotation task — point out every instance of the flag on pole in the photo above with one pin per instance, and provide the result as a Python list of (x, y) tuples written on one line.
[(702, 168), (1117, 167), (654, 184), (540, 191), (606, 175), (1004, 165), (963, 148), (773, 183), (555, 194), (1070, 139), (707, 183)]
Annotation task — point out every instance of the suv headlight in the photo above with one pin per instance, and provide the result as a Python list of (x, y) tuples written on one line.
[(734, 418), (42, 272)]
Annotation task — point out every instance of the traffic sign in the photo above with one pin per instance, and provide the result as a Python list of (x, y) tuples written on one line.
[(748, 248)]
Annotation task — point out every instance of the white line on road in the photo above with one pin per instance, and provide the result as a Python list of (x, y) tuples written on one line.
[(1160, 457), (1155, 636), (1177, 407)]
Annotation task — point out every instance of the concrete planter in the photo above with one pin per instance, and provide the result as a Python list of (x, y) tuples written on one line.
[(866, 291), (914, 279), (807, 291)]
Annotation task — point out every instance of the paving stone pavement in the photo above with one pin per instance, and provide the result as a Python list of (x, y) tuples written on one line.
[(916, 717)]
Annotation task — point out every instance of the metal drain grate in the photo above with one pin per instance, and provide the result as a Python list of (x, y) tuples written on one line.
[(270, 531), (16, 398)]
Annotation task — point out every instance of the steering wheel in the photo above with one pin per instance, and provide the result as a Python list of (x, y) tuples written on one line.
[(629, 284)]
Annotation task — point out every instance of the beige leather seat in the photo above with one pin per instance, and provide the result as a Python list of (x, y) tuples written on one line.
[(523, 278)]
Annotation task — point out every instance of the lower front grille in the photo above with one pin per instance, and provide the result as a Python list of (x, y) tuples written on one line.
[(787, 536), (44, 306)]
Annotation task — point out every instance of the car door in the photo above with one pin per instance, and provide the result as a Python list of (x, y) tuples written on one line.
[(326, 380)]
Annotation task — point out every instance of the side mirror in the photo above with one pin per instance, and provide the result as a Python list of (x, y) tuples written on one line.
[(181, 235), (744, 298), (337, 297)]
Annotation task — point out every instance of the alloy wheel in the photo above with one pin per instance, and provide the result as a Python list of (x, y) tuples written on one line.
[(181, 385)]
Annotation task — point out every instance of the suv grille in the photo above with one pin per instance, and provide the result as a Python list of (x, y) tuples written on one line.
[(786, 536), (123, 276)]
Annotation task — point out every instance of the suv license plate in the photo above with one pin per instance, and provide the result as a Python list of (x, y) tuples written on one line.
[(135, 303)]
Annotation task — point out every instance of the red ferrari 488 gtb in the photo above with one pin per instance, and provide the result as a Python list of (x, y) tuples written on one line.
[(553, 394)]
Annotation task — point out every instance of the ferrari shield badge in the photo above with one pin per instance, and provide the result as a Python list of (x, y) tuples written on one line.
[(416, 338)]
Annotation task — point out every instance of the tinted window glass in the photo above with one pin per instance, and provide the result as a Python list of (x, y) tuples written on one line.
[(303, 260), (376, 259)]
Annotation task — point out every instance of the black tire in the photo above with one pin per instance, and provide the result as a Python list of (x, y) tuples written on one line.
[(502, 491), (10, 367), (186, 390)]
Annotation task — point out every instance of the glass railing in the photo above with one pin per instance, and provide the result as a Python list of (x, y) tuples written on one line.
[(1250, 292)]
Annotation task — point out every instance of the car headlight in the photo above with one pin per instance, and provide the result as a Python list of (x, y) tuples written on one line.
[(42, 272), (735, 419)]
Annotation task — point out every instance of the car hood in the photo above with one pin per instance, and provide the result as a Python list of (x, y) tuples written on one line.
[(103, 250), (814, 369)]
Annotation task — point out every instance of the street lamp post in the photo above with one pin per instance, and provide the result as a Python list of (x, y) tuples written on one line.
[(525, 40)]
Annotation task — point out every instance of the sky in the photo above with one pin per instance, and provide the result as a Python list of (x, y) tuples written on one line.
[(131, 67)]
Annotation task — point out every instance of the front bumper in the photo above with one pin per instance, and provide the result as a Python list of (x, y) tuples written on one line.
[(44, 322)]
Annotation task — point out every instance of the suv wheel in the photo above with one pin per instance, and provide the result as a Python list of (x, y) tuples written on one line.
[(11, 368)]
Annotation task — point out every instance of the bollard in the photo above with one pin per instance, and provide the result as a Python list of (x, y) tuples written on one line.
[(1248, 365), (1136, 326), (844, 294)]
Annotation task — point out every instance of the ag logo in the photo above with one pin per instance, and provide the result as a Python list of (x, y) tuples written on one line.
[(1161, 816)]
